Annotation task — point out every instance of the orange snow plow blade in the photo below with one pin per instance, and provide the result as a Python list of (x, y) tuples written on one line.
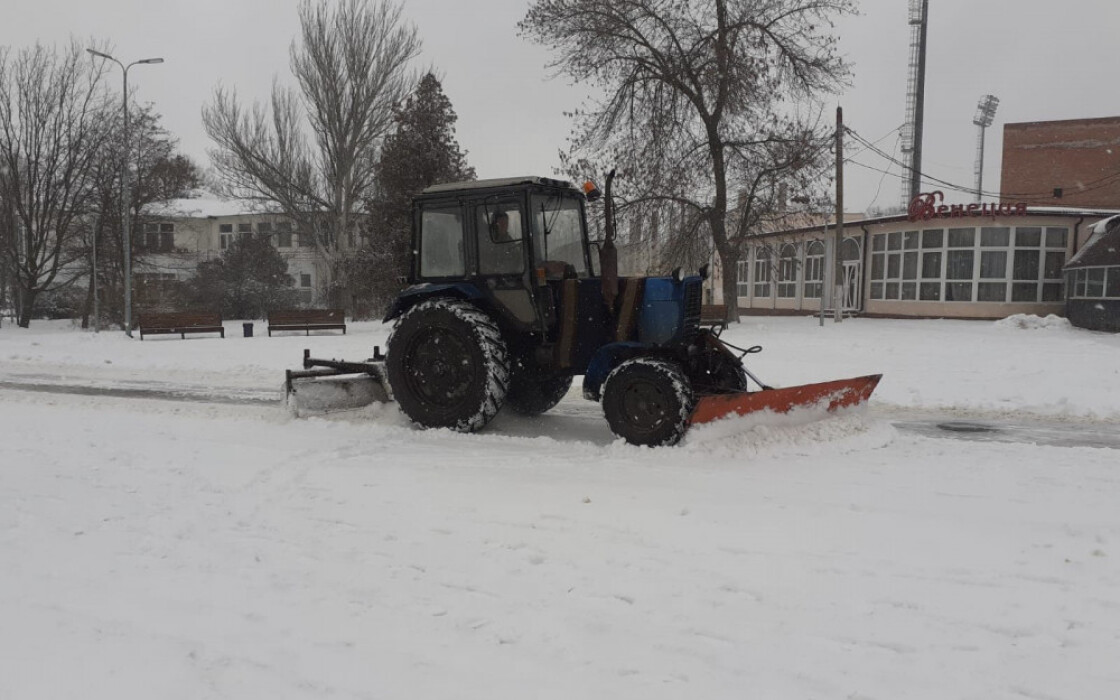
[(828, 395)]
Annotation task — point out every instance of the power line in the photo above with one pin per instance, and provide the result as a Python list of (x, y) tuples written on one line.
[(879, 188), (958, 188), (1099, 183)]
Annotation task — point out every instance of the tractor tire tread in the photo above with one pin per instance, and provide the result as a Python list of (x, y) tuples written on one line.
[(485, 334)]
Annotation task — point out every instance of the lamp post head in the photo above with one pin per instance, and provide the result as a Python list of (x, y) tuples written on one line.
[(99, 54), (151, 60), (986, 110)]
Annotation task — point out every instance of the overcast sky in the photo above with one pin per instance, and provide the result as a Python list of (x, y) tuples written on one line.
[(1043, 59)]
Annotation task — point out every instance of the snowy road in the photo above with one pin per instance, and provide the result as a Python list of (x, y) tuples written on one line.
[(215, 547), (200, 550), (937, 424)]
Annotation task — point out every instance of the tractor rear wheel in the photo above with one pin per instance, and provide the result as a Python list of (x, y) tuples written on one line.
[(532, 395), (448, 365), (648, 401)]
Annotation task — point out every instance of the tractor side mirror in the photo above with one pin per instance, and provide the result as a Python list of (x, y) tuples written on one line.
[(704, 271)]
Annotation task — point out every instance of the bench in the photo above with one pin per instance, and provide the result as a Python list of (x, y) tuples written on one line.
[(713, 314), (307, 320), (181, 322)]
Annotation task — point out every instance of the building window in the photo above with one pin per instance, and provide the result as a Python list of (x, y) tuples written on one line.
[(989, 264), (895, 259), (787, 272), (244, 231), (761, 271), (225, 235), (1094, 283), (264, 230), (814, 269), (158, 238), (284, 234), (742, 282), (304, 279)]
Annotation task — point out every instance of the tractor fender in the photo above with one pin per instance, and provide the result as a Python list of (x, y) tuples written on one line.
[(607, 358), (419, 292)]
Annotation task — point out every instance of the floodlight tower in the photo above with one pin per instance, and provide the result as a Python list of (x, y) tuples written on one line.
[(915, 101), (985, 113)]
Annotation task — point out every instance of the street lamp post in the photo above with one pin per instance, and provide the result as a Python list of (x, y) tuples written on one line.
[(126, 244)]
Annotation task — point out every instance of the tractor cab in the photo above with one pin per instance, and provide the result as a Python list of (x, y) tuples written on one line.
[(506, 244), (502, 228)]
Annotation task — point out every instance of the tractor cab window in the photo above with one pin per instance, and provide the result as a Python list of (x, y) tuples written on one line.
[(558, 231), (500, 233), (441, 242)]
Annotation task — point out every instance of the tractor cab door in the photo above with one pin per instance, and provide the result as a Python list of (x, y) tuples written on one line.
[(501, 235), (578, 320), (559, 236)]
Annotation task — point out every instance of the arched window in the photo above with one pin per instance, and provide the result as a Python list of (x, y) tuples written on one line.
[(787, 271), (814, 269)]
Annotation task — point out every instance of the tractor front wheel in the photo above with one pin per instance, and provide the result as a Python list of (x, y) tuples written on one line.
[(448, 365), (648, 401)]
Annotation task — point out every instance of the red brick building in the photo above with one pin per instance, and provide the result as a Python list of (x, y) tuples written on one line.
[(1069, 163)]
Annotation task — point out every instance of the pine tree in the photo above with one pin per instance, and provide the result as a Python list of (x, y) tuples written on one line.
[(422, 151), (249, 278)]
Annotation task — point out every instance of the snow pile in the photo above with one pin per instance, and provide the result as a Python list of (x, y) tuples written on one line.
[(1031, 322), (804, 432)]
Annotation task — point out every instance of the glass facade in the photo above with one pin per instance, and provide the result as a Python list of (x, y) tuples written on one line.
[(1093, 283), (969, 264)]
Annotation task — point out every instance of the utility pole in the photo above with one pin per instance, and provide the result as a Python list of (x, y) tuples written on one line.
[(838, 267), (126, 243), (96, 306)]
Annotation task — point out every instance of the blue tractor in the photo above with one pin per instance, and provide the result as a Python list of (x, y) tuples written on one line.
[(508, 301)]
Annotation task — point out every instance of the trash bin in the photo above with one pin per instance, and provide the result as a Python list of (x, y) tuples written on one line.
[(248, 328)]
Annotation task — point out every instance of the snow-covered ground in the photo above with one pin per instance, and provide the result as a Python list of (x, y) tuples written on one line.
[(169, 549)]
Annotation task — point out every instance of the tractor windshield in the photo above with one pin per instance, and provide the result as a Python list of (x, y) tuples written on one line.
[(558, 233)]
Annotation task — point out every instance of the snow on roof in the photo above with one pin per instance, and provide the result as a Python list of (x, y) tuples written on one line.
[(496, 182), (1102, 248), (1104, 224), (202, 204)]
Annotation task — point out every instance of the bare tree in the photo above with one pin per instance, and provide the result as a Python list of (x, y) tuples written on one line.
[(707, 103), (53, 121), (313, 153)]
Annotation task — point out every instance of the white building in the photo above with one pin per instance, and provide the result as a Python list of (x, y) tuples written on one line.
[(179, 236), (956, 262)]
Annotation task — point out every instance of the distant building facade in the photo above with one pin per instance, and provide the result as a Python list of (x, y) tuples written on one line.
[(173, 241), (955, 264), (1069, 163), (1040, 249)]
